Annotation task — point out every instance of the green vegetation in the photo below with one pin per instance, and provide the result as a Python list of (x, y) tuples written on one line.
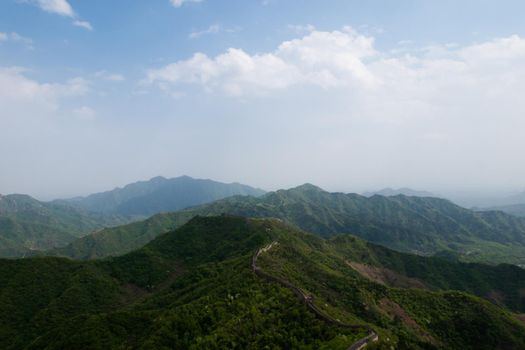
[(28, 225), (121, 239), (193, 288), (413, 318), (424, 226)]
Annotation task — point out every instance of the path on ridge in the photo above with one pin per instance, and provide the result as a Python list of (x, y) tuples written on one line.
[(308, 300)]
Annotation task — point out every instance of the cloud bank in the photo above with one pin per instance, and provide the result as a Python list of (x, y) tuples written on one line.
[(347, 59), (326, 59)]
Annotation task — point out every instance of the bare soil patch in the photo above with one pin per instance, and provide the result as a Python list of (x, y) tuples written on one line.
[(386, 277)]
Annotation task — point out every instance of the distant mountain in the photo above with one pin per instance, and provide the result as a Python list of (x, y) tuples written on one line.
[(389, 192), (516, 209), (195, 288), (145, 198), (518, 198), (425, 226), (27, 224), (487, 201)]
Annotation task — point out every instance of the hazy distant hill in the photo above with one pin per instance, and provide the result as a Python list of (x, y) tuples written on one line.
[(516, 209), (514, 205), (27, 224), (412, 224), (488, 201), (388, 192), (518, 198), (194, 288), (161, 195)]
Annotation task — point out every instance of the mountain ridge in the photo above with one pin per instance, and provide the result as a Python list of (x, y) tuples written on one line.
[(412, 224)]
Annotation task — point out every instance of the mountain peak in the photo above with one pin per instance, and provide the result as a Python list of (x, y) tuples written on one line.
[(308, 187), (157, 179), (184, 177)]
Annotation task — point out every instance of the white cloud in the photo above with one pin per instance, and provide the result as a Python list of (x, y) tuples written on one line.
[(83, 24), (17, 90), (346, 60), (179, 3), (62, 8), (17, 38), (59, 7), (326, 59), (213, 29)]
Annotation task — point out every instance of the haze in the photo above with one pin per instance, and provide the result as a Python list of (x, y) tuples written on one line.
[(346, 95)]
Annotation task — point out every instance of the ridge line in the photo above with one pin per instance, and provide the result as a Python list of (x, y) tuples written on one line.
[(308, 300)]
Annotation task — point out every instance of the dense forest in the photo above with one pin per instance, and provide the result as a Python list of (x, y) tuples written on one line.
[(193, 288)]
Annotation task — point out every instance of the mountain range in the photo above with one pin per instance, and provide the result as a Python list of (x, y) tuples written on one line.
[(28, 226), (424, 226), (195, 288)]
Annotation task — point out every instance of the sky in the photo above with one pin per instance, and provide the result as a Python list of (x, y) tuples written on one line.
[(348, 95)]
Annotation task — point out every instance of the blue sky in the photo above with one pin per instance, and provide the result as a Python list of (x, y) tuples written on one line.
[(350, 95)]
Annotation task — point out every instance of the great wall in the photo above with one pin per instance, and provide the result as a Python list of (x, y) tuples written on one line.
[(308, 301)]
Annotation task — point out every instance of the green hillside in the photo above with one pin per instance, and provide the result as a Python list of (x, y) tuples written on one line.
[(119, 240), (425, 226), (193, 288), (27, 225)]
